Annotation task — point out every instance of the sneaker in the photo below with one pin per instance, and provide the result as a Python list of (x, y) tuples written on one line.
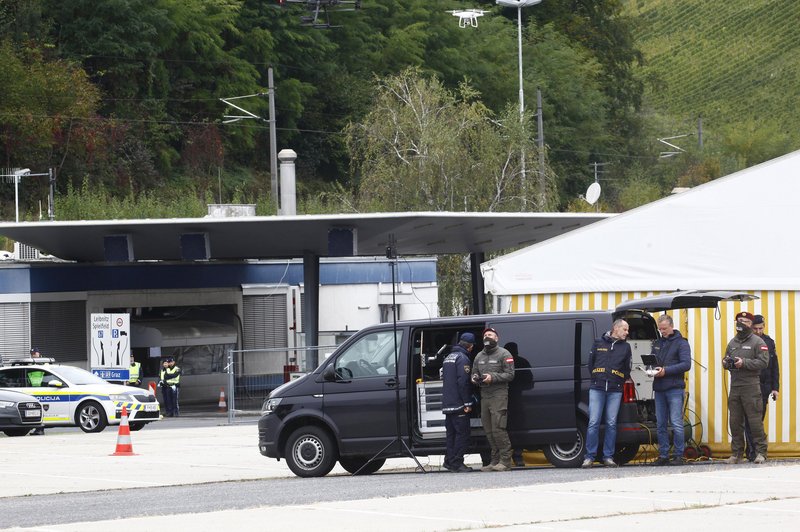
[(587, 463), (759, 459), (489, 467), (501, 467), (463, 469), (661, 461), (676, 460), (733, 459), (38, 432), (609, 462)]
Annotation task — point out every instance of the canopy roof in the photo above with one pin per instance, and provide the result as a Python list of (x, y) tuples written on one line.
[(265, 237), (734, 233)]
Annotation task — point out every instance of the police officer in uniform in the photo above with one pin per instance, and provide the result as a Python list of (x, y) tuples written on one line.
[(135, 373), (610, 367), (457, 402), (746, 355), (35, 378), (492, 370), (170, 386), (770, 383)]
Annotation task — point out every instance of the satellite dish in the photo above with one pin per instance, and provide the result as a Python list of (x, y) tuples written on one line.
[(593, 193)]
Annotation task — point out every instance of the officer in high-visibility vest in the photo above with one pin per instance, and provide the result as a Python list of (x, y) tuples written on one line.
[(35, 377), (170, 386), (134, 373)]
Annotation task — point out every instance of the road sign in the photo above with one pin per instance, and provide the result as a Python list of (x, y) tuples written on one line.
[(111, 346)]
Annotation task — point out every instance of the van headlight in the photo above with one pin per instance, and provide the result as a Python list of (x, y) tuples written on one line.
[(270, 405)]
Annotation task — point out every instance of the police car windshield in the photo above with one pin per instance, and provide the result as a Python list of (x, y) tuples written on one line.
[(79, 376)]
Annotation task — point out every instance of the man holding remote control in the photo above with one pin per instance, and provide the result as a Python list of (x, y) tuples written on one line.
[(674, 358)]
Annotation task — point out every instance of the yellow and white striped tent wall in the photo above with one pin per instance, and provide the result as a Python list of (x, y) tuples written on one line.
[(708, 332)]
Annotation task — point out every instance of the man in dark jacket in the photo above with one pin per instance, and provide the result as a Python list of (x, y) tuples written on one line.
[(674, 358), (610, 367), (457, 402), (770, 383)]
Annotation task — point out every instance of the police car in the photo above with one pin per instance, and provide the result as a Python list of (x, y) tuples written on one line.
[(19, 413), (72, 396)]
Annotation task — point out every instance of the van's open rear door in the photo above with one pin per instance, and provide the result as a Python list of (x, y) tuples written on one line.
[(684, 299)]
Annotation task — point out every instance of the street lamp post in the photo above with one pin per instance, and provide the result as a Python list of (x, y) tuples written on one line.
[(519, 4), (17, 176)]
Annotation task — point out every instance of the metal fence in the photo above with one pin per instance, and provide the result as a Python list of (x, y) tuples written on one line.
[(254, 373)]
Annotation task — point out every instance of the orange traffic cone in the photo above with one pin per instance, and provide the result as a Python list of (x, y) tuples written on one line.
[(223, 406), (124, 445), (152, 386)]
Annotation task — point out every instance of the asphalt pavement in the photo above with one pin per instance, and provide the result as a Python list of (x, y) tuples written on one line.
[(196, 451)]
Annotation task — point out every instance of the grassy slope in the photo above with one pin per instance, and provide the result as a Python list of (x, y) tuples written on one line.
[(725, 60)]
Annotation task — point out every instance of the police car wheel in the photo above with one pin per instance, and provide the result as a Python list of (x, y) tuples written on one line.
[(16, 432), (310, 452), (571, 453), (137, 426), (91, 417), (351, 464)]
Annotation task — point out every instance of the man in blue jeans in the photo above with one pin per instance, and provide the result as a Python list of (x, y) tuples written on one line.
[(674, 358), (610, 367)]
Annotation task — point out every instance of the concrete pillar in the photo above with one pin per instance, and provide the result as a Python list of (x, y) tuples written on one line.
[(288, 193)]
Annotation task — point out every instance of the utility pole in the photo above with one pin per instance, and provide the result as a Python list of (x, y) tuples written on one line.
[(273, 147), (271, 120), (540, 144)]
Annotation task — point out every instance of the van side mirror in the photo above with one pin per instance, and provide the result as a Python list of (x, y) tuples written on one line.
[(329, 373)]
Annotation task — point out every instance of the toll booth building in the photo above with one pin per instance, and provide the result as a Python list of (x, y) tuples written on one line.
[(199, 312)]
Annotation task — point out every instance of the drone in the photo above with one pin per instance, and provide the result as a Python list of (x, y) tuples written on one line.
[(319, 11), (467, 17)]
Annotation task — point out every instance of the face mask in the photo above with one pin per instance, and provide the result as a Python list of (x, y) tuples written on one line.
[(490, 342), (742, 330)]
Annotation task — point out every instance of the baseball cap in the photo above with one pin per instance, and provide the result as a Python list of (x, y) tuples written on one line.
[(467, 337), (758, 319), (744, 314)]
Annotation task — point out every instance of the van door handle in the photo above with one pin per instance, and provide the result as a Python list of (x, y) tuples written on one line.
[(391, 382)]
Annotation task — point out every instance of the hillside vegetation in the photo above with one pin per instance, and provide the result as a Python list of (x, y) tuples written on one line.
[(736, 63)]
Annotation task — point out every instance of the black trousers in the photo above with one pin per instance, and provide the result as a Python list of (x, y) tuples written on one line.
[(457, 427)]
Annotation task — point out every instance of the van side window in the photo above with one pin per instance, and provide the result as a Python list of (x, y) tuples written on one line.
[(543, 342), (372, 355)]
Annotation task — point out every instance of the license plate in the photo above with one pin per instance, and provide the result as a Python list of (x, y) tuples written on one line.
[(33, 413), (150, 407)]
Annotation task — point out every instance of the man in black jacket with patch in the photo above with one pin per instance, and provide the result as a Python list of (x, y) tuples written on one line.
[(770, 383), (457, 402), (610, 367)]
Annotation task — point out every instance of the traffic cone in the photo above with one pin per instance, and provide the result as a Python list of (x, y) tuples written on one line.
[(223, 406), (124, 445), (152, 386)]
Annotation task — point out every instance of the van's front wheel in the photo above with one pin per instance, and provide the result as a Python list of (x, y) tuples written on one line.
[(310, 452), (571, 453)]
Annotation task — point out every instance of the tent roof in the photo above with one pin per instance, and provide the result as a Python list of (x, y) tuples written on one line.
[(734, 233)]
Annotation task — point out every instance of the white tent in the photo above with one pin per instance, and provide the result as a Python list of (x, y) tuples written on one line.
[(737, 232)]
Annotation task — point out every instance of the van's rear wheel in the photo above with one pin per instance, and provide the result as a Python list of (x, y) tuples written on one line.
[(310, 452), (351, 464), (570, 453), (626, 453)]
